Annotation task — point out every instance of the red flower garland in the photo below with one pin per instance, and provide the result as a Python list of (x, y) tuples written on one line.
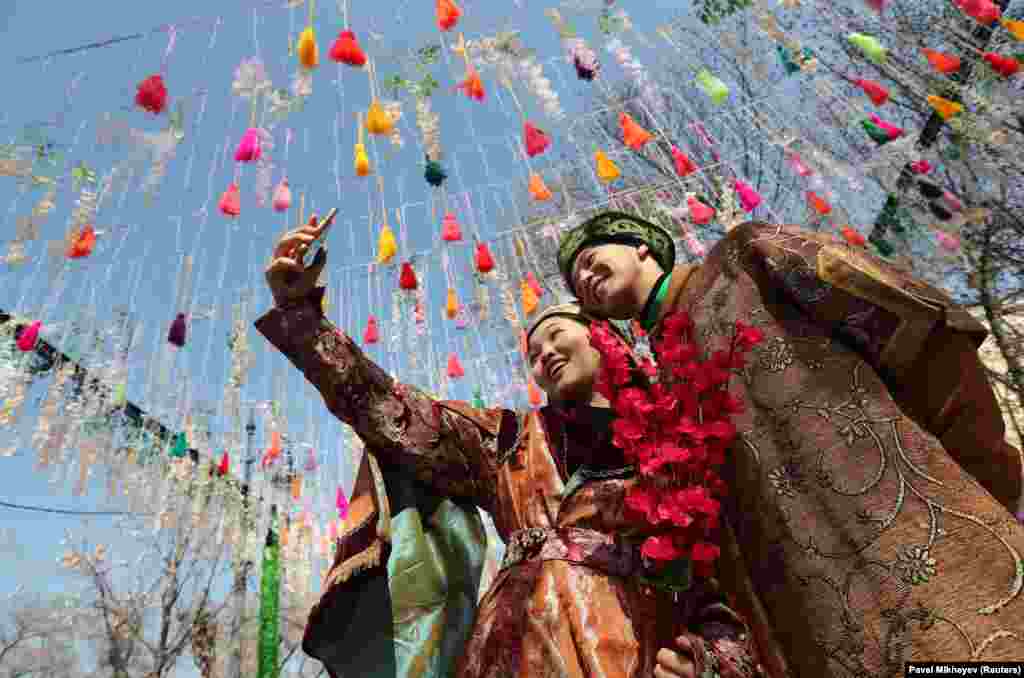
[(677, 432)]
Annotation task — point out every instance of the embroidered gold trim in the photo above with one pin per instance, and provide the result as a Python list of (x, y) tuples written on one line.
[(384, 519), (362, 561)]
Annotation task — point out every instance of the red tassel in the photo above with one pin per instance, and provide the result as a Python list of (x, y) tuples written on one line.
[(83, 243), (1003, 65), (982, 11), (484, 260), (455, 370), (684, 166), (29, 336), (853, 237), (448, 14), (535, 140), (371, 335), (176, 335), (225, 463), (407, 279), (346, 50), (878, 94), (152, 94)]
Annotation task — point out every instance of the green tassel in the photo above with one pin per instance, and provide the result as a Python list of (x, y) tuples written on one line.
[(434, 173), (180, 446), (876, 133), (270, 604), (478, 401)]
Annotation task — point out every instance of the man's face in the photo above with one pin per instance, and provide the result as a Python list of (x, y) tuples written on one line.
[(606, 278)]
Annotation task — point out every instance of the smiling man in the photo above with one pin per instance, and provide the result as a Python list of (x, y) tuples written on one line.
[(855, 490)]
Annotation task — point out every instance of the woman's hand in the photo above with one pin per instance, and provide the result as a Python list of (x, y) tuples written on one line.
[(676, 664), (287, 276)]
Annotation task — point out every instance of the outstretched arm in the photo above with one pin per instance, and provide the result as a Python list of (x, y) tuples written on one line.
[(921, 343), (447, 444)]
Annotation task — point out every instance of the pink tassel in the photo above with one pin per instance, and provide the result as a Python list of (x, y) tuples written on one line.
[(797, 163), (282, 197), (249, 147), (891, 130), (684, 166), (311, 464), (952, 202), (921, 167), (749, 198), (531, 280), (341, 502), (700, 213), (29, 336), (695, 246), (450, 229), (455, 370), (948, 242)]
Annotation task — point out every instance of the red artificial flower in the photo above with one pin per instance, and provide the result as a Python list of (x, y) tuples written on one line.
[(642, 500), (661, 548)]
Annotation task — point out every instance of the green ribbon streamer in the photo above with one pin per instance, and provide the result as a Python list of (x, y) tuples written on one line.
[(270, 603)]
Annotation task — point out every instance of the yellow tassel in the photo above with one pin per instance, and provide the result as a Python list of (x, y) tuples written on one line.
[(309, 54), (1016, 28), (362, 161), (452, 307), (377, 119), (944, 107), (607, 171), (386, 245)]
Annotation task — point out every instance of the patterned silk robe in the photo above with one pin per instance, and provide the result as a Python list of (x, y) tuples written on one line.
[(568, 601), (870, 486)]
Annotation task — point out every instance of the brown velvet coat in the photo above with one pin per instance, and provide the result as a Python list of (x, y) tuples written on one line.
[(870, 488), (551, 611)]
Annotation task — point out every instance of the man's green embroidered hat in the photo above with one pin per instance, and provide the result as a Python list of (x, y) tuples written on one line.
[(614, 227)]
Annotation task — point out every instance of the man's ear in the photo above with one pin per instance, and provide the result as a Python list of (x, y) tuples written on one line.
[(643, 251)]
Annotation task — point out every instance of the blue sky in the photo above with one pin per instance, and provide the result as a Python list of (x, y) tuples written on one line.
[(138, 261)]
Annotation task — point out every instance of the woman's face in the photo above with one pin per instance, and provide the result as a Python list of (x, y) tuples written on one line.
[(562, 361)]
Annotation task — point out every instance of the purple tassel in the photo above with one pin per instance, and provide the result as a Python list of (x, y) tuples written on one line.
[(177, 333)]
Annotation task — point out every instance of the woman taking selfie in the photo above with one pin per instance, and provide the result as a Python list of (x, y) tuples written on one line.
[(570, 599)]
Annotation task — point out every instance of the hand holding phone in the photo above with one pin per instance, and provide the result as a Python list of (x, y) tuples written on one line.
[(318, 243)]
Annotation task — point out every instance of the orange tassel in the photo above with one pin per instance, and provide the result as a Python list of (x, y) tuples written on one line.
[(530, 300), (633, 135), (296, 487), (534, 394), (818, 203), (538, 189), (82, 244), (451, 308), (942, 62), (473, 86)]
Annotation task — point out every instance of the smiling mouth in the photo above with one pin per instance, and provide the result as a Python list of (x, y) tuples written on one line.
[(556, 369)]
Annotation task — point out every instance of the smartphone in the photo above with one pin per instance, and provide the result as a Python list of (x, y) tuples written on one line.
[(318, 244)]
